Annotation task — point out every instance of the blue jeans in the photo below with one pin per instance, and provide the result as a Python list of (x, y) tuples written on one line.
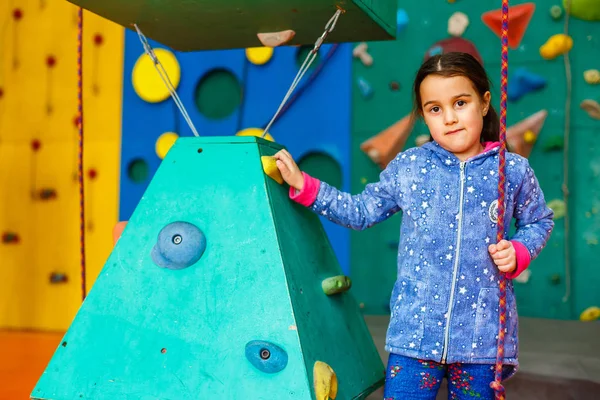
[(412, 379)]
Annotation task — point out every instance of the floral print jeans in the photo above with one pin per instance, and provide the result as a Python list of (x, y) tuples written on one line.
[(411, 379)]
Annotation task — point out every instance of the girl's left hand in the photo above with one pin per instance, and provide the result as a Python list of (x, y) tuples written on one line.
[(504, 255)]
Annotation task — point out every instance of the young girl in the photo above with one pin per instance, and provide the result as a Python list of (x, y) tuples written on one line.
[(444, 304)]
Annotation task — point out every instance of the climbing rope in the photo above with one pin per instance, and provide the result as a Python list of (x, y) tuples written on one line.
[(310, 57), (80, 147), (497, 383)]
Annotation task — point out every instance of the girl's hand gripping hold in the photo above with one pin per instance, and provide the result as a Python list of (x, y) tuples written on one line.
[(289, 170)]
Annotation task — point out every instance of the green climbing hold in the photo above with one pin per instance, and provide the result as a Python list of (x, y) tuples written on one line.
[(336, 284), (556, 12), (554, 143), (588, 10), (559, 208)]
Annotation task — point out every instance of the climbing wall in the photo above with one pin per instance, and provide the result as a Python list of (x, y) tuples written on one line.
[(229, 92), (39, 205), (557, 287)]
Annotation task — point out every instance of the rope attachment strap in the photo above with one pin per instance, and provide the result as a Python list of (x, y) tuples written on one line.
[(310, 57)]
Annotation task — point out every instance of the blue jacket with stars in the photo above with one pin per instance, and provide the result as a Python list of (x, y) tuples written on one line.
[(444, 303)]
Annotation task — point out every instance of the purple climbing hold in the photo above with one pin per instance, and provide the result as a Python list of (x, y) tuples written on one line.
[(523, 82)]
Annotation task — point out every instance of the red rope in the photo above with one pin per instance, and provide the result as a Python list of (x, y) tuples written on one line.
[(497, 383), (80, 147)]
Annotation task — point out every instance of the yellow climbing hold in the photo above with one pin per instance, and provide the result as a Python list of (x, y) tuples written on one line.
[(590, 314), (146, 81), (164, 143), (592, 76), (324, 381), (255, 132), (556, 45), (259, 55), (270, 167), (529, 137)]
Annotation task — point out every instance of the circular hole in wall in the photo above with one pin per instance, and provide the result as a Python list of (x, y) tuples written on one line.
[(322, 166), (302, 53), (218, 94), (137, 170)]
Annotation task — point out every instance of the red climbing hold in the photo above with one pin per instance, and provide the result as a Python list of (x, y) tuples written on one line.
[(17, 14), (36, 144), (10, 237), (51, 61), (98, 39), (92, 173), (518, 20)]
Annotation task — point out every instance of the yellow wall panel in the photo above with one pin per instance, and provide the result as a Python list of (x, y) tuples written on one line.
[(40, 102)]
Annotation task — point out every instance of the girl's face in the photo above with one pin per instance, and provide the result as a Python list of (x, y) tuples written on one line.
[(453, 112)]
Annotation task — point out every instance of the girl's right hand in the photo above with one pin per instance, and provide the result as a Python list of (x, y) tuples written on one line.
[(290, 172)]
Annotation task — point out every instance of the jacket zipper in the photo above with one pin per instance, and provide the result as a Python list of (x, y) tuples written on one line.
[(456, 259)]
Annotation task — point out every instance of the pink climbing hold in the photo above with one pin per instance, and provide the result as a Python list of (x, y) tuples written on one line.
[(454, 44)]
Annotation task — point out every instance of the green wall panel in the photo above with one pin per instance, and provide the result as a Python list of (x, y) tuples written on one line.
[(374, 255)]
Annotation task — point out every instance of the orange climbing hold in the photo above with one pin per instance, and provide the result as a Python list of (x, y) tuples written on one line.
[(117, 230), (518, 20)]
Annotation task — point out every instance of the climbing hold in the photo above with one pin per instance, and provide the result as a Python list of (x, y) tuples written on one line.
[(524, 276), (259, 55), (556, 45), (518, 20), (164, 144), (592, 76), (588, 10), (92, 173), (590, 314), (58, 277), (118, 230), (454, 44), (383, 147), (457, 24), (36, 144), (266, 356), (529, 137), (179, 245), (360, 52), (324, 381), (401, 21), (556, 12), (553, 143), (336, 284), (274, 39), (255, 132), (364, 87), (98, 39), (17, 14), (46, 194), (591, 107), (394, 85), (51, 61), (147, 83), (269, 164), (10, 238), (559, 208), (524, 82), (422, 139), (530, 127)]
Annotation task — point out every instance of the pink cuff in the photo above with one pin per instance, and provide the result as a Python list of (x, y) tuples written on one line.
[(309, 192), (523, 259)]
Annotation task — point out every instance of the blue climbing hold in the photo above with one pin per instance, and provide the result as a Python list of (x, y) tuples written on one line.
[(523, 82), (364, 87), (401, 21), (179, 245), (435, 50), (266, 356)]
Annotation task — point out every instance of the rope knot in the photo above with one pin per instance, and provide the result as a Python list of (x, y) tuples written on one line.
[(499, 389)]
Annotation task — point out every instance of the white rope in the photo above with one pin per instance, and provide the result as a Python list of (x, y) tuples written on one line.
[(305, 66), (165, 78)]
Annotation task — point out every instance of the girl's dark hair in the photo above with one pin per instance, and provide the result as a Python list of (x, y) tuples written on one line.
[(459, 64)]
